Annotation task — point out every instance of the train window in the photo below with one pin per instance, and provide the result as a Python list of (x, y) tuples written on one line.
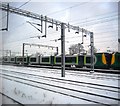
[(88, 59), (24, 59), (19, 59), (45, 59), (32, 59), (58, 59), (70, 59), (12, 59)]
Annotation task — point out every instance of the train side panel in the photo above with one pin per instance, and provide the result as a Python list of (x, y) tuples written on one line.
[(19, 60), (47, 60), (34, 60), (103, 60), (80, 61), (69, 60), (13, 60)]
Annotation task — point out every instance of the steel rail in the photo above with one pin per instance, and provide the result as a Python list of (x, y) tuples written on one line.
[(54, 91), (78, 91)]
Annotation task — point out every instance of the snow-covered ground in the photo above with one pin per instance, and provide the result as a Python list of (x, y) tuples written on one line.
[(38, 88), (7, 100)]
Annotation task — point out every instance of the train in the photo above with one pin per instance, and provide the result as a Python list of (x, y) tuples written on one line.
[(101, 60)]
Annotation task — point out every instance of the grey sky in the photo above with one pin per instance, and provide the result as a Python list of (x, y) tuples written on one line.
[(99, 17)]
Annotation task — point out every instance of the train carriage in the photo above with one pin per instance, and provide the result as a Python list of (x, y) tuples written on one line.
[(115, 61), (80, 61), (101, 60), (87, 60), (47, 60), (34, 60), (6, 59), (1, 60), (13, 59), (69, 60), (19, 60), (76, 60)]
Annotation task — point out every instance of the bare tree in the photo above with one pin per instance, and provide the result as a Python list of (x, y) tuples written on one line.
[(76, 49), (89, 50)]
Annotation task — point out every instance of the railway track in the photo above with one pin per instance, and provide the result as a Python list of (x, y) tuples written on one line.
[(92, 75), (25, 77), (69, 68), (78, 73), (77, 69), (54, 79)]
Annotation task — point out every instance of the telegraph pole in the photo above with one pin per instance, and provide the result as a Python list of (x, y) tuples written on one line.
[(23, 53), (7, 16), (63, 49), (92, 51)]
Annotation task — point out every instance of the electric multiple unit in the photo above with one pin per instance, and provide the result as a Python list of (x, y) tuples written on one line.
[(101, 60)]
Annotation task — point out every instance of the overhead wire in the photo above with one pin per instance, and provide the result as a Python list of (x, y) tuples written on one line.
[(56, 12), (103, 21), (27, 2), (95, 17), (52, 13), (66, 37)]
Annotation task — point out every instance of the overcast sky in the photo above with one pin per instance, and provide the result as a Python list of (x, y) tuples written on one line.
[(99, 17)]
